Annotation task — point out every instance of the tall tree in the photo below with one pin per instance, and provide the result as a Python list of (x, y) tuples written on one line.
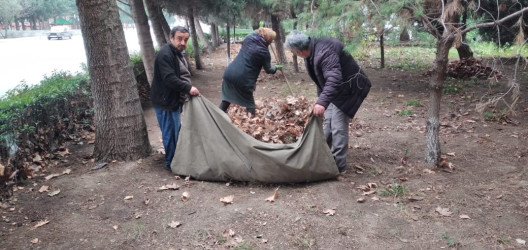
[(145, 39), (156, 16), (201, 35), (196, 45), (121, 132)]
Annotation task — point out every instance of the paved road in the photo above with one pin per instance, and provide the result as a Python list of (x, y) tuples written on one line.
[(29, 59)]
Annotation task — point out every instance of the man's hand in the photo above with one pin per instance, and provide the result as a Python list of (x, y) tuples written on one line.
[(194, 91), (319, 110)]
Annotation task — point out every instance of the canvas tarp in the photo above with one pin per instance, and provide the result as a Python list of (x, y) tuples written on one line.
[(210, 147)]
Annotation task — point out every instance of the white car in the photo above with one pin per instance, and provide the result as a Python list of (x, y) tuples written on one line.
[(60, 32)]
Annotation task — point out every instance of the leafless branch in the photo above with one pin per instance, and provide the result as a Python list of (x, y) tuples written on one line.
[(430, 26), (489, 24)]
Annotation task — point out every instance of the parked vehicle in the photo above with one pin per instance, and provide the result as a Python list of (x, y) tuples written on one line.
[(60, 32)]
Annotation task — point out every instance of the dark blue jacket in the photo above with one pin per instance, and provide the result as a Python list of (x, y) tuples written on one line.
[(338, 77), (167, 86)]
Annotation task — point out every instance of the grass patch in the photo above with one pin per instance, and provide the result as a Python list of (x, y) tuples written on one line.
[(406, 112), (394, 190), (413, 103), (243, 246), (450, 241)]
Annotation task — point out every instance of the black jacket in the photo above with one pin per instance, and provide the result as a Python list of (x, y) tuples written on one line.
[(245, 69), (167, 86), (338, 77)]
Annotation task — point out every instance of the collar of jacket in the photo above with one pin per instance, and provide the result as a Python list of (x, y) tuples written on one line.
[(262, 40), (175, 50), (312, 48)]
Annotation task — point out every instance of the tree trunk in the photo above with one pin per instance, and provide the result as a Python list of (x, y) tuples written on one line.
[(164, 24), (228, 41), (196, 46), (294, 57), (145, 39), (433, 150), (276, 25), (404, 35), (17, 27), (464, 51), (199, 32), (214, 36), (155, 19), (121, 132), (382, 50)]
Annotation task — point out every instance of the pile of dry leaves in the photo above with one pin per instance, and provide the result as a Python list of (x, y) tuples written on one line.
[(275, 120), (470, 67)]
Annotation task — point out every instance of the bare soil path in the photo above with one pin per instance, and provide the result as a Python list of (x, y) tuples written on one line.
[(481, 204)]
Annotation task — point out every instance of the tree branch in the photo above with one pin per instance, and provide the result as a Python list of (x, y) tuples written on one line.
[(489, 24), (431, 27)]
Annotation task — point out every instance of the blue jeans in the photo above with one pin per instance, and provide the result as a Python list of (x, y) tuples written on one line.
[(170, 124)]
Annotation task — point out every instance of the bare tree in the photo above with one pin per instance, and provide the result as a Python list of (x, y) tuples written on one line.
[(121, 132), (156, 18)]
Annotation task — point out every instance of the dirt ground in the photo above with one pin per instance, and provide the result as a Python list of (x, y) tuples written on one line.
[(480, 204)]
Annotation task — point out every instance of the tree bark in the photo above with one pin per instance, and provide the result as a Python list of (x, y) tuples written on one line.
[(121, 132), (155, 18), (276, 25), (214, 36), (382, 50), (201, 35), (404, 35), (196, 46), (294, 57), (164, 24), (228, 41), (433, 150), (145, 39)]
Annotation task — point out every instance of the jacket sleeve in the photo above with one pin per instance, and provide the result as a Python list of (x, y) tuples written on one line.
[(267, 64), (332, 75), (169, 75)]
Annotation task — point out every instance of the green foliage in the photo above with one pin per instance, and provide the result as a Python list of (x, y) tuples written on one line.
[(394, 190), (135, 58), (406, 112), (450, 88), (243, 246), (413, 103), (451, 241)]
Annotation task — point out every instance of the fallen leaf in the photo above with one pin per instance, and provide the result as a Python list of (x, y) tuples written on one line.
[(463, 216), (372, 185), (35, 241), (67, 171), (428, 171), (115, 227), (274, 196), (227, 199), (451, 154), (443, 211), (129, 197), (54, 192), (329, 212), (521, 241), (147, 201), (369, 192), (185, 196), (174, 224), (414, 198), (173, 186), (49, 177), (44, 189), (375, 198), (361, 200), (228, 232), (2, 169), (40, 223)]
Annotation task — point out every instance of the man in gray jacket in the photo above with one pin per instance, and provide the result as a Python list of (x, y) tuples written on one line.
[(341, 87)]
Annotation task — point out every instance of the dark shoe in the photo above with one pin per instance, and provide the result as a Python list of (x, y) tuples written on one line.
[(342, 170)]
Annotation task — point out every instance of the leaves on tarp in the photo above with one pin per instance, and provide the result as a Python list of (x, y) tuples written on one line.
[(274, 196), (275, 121)]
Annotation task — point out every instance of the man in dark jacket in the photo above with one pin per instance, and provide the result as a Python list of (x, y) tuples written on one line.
[(172, 82), (241, 75), (341, 87)]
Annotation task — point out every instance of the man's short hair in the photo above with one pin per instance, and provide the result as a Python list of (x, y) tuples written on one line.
[(178, 28)]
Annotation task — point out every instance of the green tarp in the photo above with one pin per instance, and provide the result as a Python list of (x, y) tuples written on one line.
[(211, 148)]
